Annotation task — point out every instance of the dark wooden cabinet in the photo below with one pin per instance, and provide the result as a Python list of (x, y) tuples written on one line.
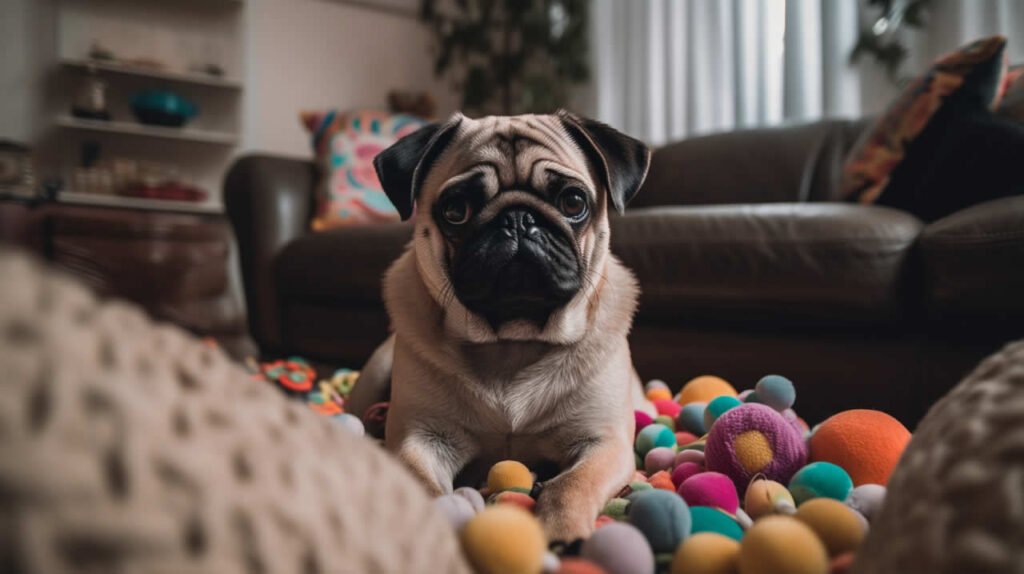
[(179, 266)]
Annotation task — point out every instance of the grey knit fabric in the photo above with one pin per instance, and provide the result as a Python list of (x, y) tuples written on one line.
[(127, 446), (956, 499)]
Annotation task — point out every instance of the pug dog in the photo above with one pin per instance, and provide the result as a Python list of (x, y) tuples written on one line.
[(509, 312)]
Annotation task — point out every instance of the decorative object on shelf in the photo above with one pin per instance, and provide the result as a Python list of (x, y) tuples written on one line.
[(91, 100), (101, 53), (163, 108), (15, 165), (419, 104), (512, 56), (883, 40)]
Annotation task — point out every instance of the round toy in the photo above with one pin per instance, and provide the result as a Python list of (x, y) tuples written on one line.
[(659, 458), (776, 391), (835, 524), (707, 553), (655, 384), (658, 394), (691, 418), (705, 389), (351, 422), (504, 539), (685, 470), (666, 421), (866, 443), (662, 480), (473, 496), (667, 407), (754, 439), (524, 501), (509, 474), (707, 519), (766, 497), (684, 438), (710, 489), (642, 419), (867, 499), (782, 545), (690, 455), (820, 479), (744, 394), (653, 436), (616, 508), (456, 509), (717, 407), (663, 518), (619, 548), (578, 566)]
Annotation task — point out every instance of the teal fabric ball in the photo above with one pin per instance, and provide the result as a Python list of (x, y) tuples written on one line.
[(691, 418), (717, 407), (663, 517), (652, 436), (820, 479), (776, 391), (707, 519)]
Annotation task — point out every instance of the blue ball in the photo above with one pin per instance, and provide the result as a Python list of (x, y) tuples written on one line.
[(691, 418), (820, 479), (663, 517), (653, 436), (717, 407), (776, 391), (707, 519)]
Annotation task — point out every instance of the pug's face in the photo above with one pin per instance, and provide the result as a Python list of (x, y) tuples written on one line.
[(512, 218)]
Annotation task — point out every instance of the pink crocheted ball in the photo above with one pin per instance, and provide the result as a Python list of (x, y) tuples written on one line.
[(685, 470), (710, 489), (642, 419), (754, 439)]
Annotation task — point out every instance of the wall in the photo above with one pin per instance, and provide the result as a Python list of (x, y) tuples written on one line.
[(315, 54)]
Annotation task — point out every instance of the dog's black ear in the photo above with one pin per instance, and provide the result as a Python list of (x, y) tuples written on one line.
[(621, 161), (402, 167)]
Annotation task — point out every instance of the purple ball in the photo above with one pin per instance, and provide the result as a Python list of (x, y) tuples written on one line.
[(685, 470), (619, 548), (768, 444), (660, 458), (689, 455)]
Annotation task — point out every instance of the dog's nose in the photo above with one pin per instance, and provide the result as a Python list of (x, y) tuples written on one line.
[(518, 222)]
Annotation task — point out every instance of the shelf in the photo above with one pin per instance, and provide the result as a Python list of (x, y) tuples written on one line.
[(78, 198), (137, 129), (139, 72)]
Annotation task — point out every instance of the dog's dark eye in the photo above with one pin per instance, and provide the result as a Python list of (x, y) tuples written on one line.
[(572, 202), (456, 211)]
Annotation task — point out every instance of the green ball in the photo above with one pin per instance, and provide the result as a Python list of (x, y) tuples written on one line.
[(663, 517), (666, 420), (707, 519), (776, 391), (820, 479), (654, 435), (717, 407), (616, 508)]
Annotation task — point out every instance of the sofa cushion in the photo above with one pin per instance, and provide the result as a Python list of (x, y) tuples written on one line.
[(828, 264), (342, 266), (973, 264)]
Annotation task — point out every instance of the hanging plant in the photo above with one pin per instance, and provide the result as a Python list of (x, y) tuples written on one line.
[(511, 56)]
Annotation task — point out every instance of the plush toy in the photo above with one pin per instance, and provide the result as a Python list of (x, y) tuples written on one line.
[(619, 548), (652, 436), (504, 539), (707, 553), (659, 458), (710, 489), (704, 389), (708, 519), (754, 439), (509, 474), (776, 391), (766, 497), (820, 479), (782, 545), (691, 418), (866, 443), (717, 407), (663, 518), (836, 524)]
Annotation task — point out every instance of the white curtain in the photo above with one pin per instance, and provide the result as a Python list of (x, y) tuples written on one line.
[(669, 69)]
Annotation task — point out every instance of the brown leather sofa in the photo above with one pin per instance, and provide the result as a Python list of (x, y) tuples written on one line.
[(749, 264)]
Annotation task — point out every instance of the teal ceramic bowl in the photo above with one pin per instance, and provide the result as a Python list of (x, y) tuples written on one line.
[(162, 108)]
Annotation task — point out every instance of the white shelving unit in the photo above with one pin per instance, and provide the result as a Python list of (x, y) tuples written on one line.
[(137, 129), (158, 74)]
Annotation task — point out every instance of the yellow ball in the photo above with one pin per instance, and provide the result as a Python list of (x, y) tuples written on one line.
[(509, 474), (763, 497), (834, 523), (704, 389), (707, 553), (782, 545), (659, 394), (504, 539)]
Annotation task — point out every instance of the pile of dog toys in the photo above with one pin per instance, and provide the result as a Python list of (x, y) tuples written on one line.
[(726, 483), (297, 378)]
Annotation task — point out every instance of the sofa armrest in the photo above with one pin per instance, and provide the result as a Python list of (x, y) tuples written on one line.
[(972, 262), (269, 201)]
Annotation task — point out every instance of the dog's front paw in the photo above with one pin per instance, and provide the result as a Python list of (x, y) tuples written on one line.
[(565, 515)]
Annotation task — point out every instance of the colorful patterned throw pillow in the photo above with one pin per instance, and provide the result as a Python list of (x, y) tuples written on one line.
[(345, 144), (961, 82)]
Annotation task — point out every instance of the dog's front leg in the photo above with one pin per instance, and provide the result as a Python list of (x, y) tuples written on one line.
[(569, 504), (435, 458)]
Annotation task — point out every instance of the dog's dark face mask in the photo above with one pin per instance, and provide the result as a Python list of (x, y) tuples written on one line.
[(515, 213)]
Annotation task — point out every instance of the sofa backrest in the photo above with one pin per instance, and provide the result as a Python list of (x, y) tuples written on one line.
[(792, 163)]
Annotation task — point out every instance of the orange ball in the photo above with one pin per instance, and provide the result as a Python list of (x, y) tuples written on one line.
[(704, 389), (659, 394), (867, 444), (578, 566)]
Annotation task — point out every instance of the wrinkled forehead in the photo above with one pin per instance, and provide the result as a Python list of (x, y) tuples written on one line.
[(511, 153)]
